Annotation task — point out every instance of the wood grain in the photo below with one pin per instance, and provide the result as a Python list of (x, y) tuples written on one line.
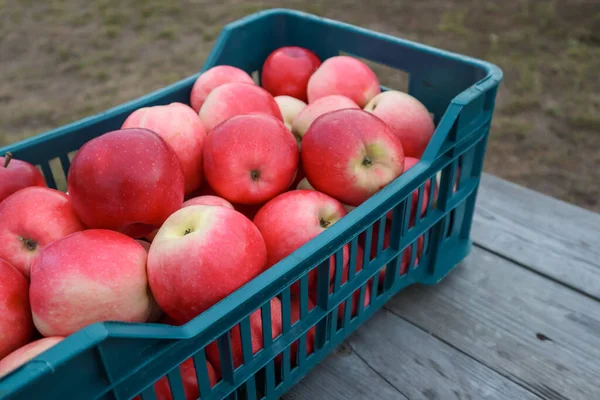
[(556, 239), (537, 332), (343, 375), (426, 368)]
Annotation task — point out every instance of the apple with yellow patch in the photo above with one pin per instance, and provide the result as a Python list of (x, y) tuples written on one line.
[(304, 184), (182, 129), (290, 107), (89, 276), (407, 117), (294, 218), (211, 79), (350, 155), (200, 255), (346, 76)]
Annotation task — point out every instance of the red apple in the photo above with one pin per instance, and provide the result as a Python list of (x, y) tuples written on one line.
[(16, 175), (256, 332), (181, 127), (287, 70), (213, 78), (129, 180), (237, 98), (90, 276), (16, 326), (249, 159), (24, 354), (350, 155), (207, 200), (344, 75), (290, 107), (304, 184), (32, 218), (292, 219), (200, 255), (317, 108), (187, 370), (408, 118)]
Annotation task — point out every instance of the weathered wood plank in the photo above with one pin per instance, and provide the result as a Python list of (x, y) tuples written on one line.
[(555, 238), (343, 375), (537, 332), (423, 367)]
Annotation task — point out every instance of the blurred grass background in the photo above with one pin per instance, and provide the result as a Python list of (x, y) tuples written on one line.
[(61, 60)]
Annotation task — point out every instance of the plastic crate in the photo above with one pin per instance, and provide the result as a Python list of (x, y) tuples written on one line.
[(120, 361)]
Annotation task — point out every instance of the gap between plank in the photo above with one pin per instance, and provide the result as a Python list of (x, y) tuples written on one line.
[(347, 343), (504, 375), (535, 271)]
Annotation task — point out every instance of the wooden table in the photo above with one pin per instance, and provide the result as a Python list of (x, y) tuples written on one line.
[(518, 319)]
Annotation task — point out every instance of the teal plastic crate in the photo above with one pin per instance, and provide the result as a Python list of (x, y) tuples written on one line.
[(115, 360)]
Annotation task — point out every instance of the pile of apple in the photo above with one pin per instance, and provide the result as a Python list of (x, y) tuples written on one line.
[(183, 205)]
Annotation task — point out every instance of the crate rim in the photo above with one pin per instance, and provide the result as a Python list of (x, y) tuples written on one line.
[(258, 289)]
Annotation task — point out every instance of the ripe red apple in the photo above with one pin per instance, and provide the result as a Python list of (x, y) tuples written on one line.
[(129, 180), (408, 118), (256, 330), (237, 98), (350, 155), (31, 219), (344, 75), (16, 175), (290, 107), (249, 159), (182, 129), (26, 353), (200, 255), (207, 200), (16, 326), (286, 71), (292, 219), (190, 382), (89, 276), (304, 184), (317, 108), (213, 78)]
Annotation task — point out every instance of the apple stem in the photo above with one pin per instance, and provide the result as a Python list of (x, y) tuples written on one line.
[(255, 175), (323, 223), (367, 162), (31, 245), (7, 159)]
